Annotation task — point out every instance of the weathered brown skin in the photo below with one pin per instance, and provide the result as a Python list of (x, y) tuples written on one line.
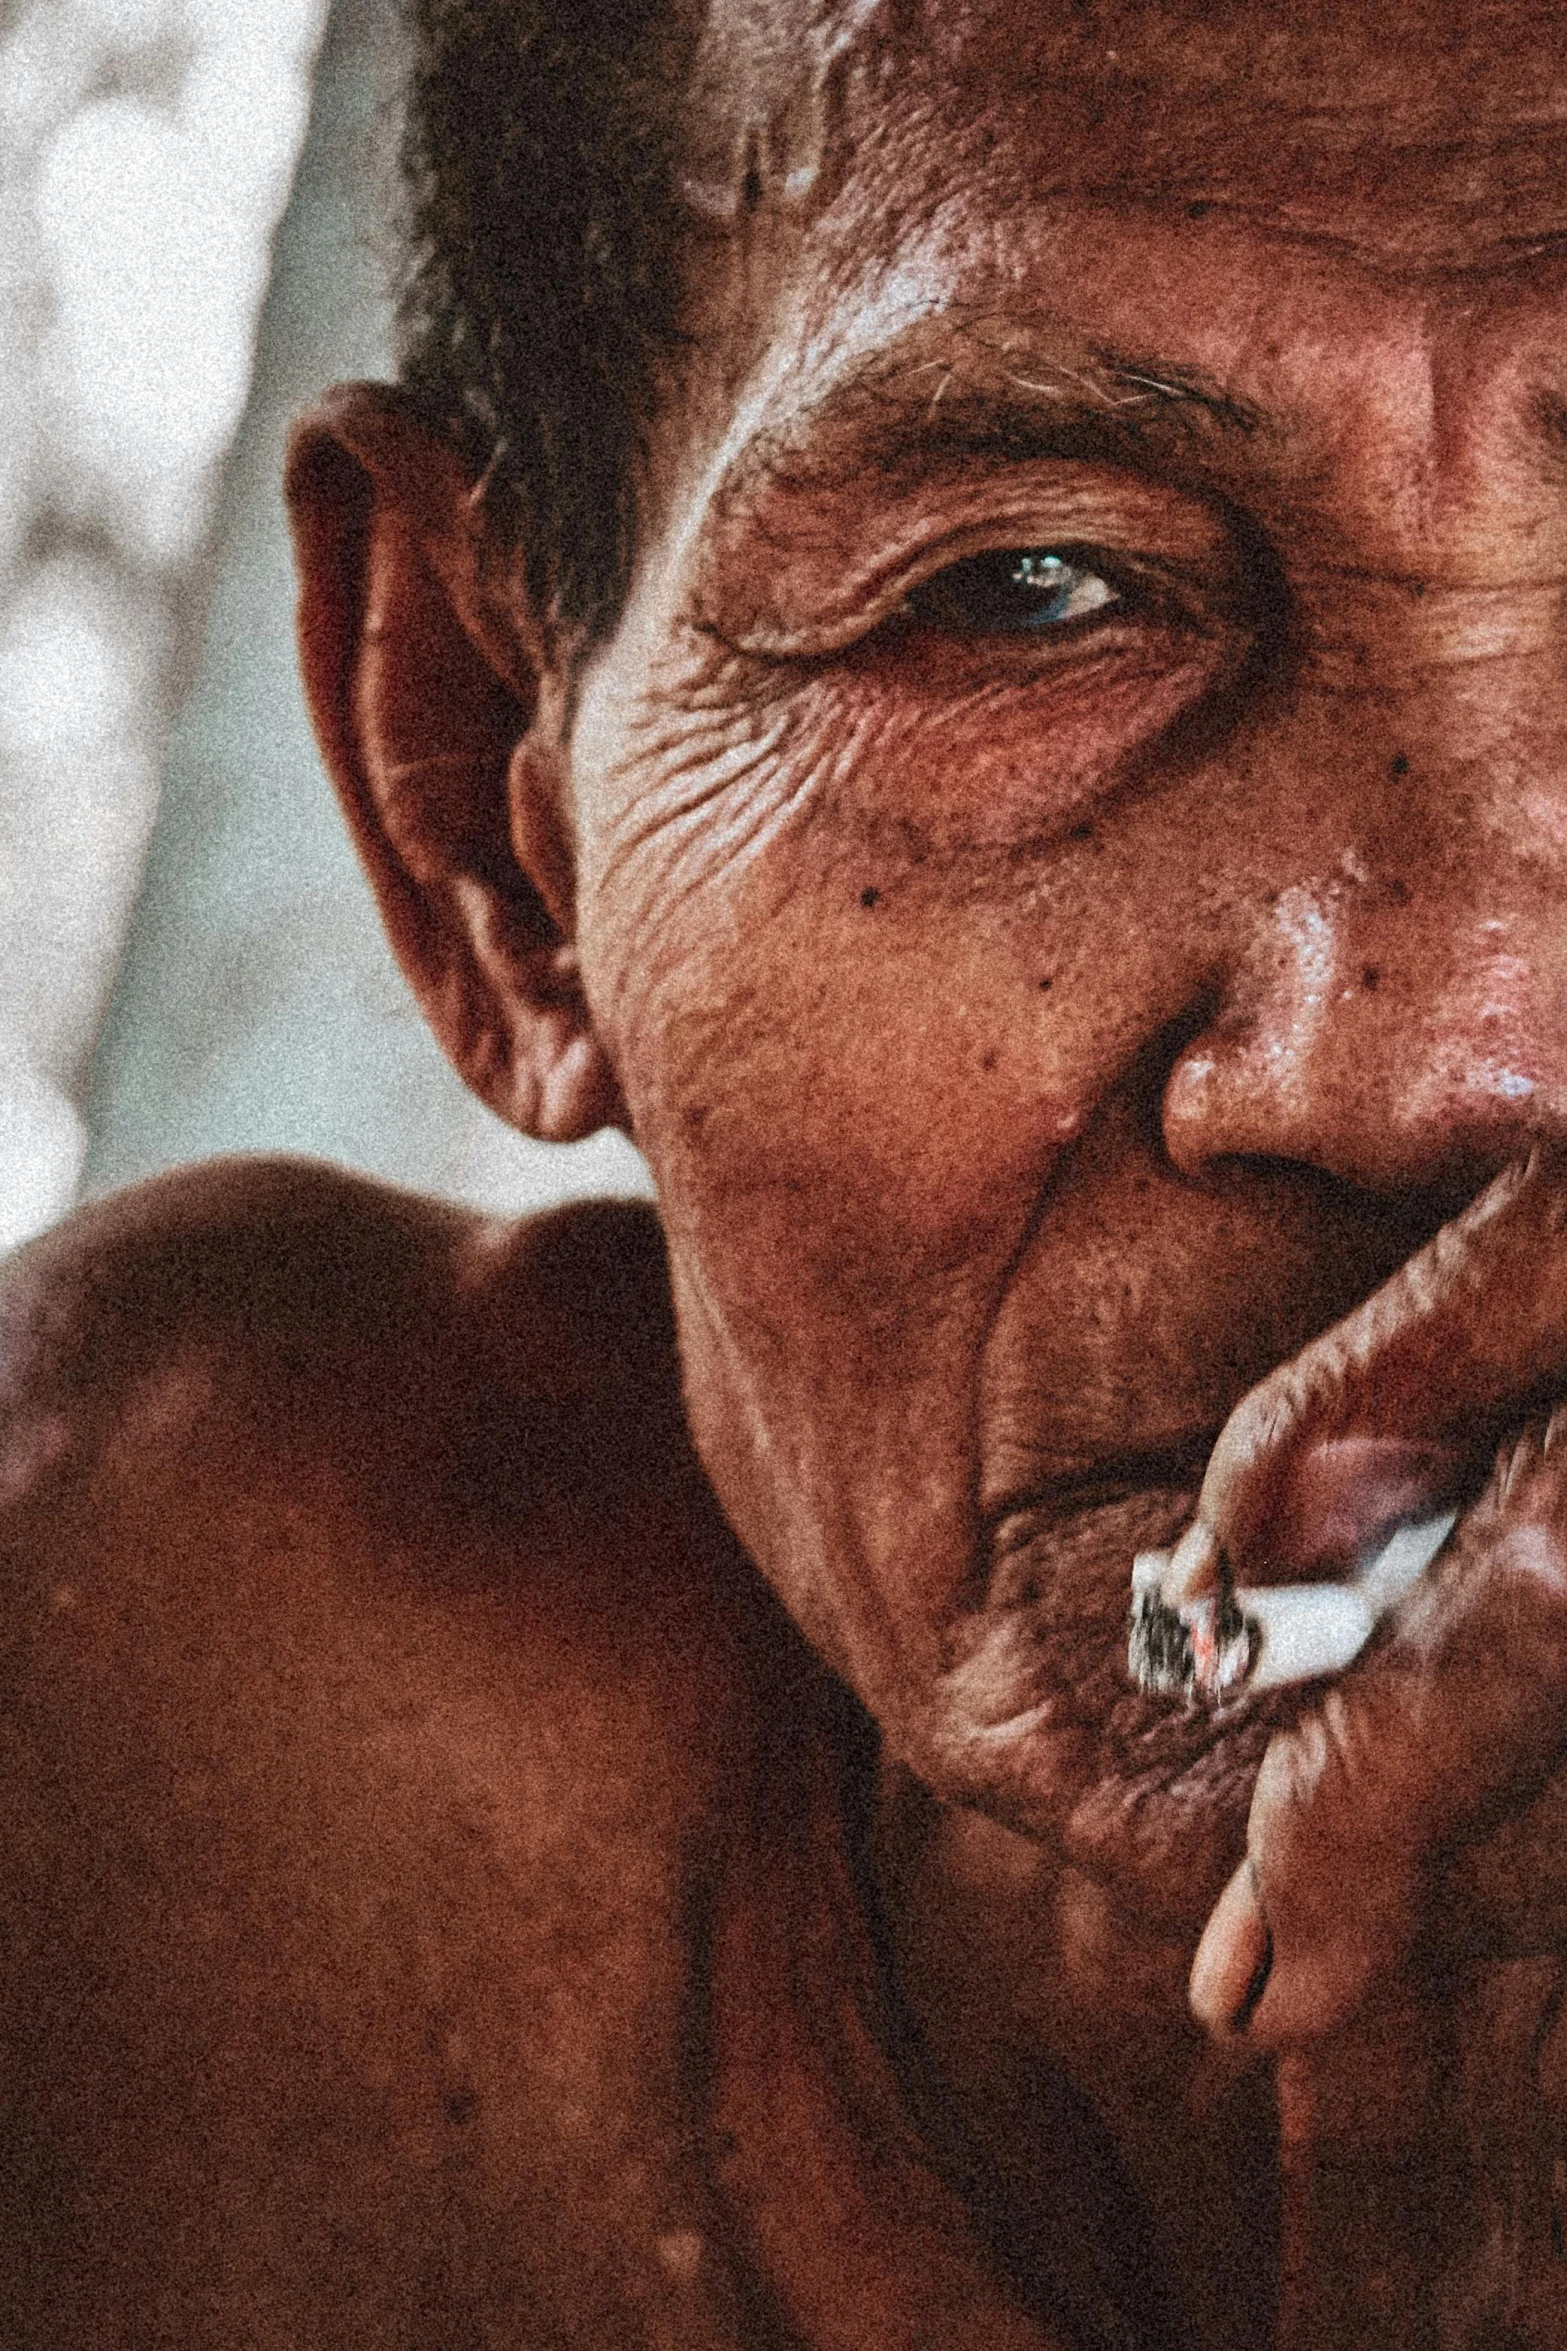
[(433, 1915), (428, 1912)]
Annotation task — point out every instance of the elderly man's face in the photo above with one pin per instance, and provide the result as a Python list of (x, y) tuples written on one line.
[(1072, 828)]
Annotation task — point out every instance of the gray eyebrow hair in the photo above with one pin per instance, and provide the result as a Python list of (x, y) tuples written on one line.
[(1018, 407)]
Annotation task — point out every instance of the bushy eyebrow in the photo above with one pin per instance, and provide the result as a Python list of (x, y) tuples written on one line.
[(901, 419)]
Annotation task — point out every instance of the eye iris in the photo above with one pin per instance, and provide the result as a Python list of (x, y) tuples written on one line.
[(1012, 591)]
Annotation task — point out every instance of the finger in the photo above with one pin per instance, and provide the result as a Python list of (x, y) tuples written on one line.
[(1456, 1722), (1392, 1408)]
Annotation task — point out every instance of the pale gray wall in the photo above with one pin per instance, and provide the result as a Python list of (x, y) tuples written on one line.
[(258, 1007), (147, 148)]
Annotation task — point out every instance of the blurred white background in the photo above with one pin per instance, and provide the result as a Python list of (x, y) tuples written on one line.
[(189, 961)]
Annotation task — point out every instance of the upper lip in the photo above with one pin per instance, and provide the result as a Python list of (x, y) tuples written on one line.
[(1104, 1477)]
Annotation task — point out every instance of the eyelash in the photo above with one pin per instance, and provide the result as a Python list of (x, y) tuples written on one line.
[(972, 605)]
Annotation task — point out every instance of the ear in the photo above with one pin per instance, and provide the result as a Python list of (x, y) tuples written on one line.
[(432, 697)]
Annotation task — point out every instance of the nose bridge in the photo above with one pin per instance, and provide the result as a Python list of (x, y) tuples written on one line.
[(1394, 1009)]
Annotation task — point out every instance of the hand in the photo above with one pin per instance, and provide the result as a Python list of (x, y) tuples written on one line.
[(1413, 1826), (1456, 1719)]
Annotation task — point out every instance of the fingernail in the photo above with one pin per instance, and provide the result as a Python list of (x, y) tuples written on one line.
[(1234, 1959), (1196, 1566)]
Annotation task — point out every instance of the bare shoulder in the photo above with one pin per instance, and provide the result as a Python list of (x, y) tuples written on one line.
[(445, 1415), (374, 1669), (268, 1269), (308, 1325)]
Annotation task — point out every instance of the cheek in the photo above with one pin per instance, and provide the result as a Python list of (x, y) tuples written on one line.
[(867, 988), (952, 755), (864, 1076), (873, 987)]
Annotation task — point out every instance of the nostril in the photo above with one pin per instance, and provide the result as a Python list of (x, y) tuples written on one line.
[(1167, 1052)]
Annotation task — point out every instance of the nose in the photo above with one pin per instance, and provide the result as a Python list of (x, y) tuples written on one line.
[(1394, 1010)]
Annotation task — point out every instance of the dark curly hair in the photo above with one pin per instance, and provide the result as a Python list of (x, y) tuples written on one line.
[(539, 289)]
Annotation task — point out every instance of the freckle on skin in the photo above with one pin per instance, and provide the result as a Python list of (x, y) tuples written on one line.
[(1399, 764), (1371, 977), (869, 897), (988, 1061), (1045, 986)]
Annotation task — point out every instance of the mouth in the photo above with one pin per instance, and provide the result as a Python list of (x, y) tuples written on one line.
[(1044, 1724), (1049, 1591), (1131, 1721), (1036, 1684), (1016, 1516)]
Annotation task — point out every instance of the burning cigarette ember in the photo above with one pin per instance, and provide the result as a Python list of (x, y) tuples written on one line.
[(1224, 1646)]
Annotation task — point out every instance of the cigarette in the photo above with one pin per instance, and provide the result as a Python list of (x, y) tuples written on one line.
[(1240, 1643)]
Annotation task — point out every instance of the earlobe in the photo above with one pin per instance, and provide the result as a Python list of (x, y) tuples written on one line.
[(426, 687)]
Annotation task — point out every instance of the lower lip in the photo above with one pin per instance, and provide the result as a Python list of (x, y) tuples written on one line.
[(1147, 1796)]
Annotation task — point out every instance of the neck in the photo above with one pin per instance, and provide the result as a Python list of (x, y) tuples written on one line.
[(1027, 1993)]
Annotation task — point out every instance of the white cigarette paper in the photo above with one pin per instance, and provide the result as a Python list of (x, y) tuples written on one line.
[(1268, 1636)]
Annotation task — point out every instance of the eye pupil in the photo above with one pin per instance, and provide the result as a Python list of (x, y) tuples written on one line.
[(1036, 571), (1012, 591)]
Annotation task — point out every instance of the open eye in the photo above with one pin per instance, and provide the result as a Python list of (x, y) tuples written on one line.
[(1010, 591)]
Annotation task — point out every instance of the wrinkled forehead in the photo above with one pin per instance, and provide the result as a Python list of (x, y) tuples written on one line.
[(1423, 134)]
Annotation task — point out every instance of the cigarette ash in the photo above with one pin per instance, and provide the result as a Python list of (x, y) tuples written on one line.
[(1204, 1655)]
